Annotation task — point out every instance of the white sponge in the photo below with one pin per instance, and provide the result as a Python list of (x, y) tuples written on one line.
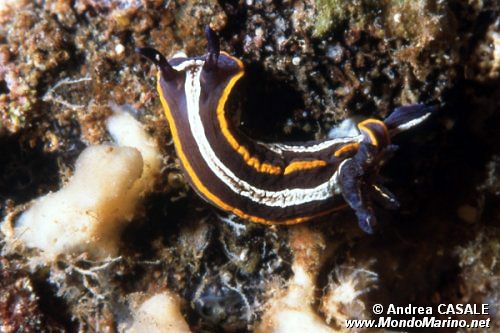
[(158, 314), (84, 214), (88, 213)]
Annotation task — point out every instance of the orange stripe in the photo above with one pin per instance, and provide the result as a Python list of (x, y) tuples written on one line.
[(249, 160), (346, 148), (371, 135), (206, 192), (303, 165), (253, 161)]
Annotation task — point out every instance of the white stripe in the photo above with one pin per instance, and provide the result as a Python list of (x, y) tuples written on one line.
[(345, 132), (283, 198), (188, 63), (412, 123), (279, 148)]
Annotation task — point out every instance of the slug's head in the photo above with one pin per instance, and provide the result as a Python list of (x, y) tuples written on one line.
[(204, 78)]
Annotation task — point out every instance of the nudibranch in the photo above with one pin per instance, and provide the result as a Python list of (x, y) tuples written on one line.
[(262, 182)]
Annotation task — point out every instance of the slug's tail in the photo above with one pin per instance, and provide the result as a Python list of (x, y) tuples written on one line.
[(406, 117)]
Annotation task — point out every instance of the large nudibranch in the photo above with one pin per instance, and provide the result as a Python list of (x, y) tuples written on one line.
[(262, 182)]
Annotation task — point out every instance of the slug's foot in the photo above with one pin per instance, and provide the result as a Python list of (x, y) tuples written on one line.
[(366, 221), (354, 190), (382, 196), (360, 190)]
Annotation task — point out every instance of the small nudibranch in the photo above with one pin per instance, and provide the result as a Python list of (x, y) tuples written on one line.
[(262, 182)]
